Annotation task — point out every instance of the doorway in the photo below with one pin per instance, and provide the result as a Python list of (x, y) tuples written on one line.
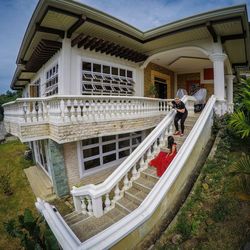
[(161, 88)]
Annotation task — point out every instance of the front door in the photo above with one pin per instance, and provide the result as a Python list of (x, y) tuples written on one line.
[(161, 88)]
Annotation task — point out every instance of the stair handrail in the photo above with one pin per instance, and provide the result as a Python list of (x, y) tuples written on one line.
[(94, 193)]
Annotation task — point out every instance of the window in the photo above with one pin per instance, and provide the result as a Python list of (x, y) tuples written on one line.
[(41, 155), (51, 84), (35, 88), (103, 79), (108, 150)]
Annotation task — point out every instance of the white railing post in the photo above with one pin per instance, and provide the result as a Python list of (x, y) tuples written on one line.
[(97, 207), (77, 202)]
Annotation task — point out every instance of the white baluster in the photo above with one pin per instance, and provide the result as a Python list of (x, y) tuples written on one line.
[(170, 130), (155, 148), (62, 109), (117, 193), (66, 115), (89, 207), (126, 183), (83, 206), (107, 203), (45, 110), (79, 111), (162, 140), (135, 173), (149, 155), (40, 111), (142, 164), (34, 114), (25, 111)]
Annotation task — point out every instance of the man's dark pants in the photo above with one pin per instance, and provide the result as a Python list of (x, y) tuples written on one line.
[(182, 117)]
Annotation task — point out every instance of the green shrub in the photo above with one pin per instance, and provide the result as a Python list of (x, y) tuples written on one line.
[(184, 227), (221, 210), (33, 233)]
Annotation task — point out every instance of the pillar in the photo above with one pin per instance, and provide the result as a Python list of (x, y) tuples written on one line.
[(64, 87), (219, 79), (229, 80), (57, 166)]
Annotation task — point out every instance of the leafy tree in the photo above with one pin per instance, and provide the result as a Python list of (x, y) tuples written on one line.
[(8, 97), (32, 232)]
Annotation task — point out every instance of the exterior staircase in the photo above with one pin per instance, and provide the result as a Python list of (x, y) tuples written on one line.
[(85, 226)]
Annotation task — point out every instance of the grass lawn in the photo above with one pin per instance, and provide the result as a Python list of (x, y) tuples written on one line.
[(215, 215), (11, 157)]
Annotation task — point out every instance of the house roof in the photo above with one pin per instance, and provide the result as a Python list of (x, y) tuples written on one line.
[(54, 19)]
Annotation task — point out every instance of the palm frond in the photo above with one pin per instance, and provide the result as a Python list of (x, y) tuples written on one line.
[(242, 166), (240, 123)]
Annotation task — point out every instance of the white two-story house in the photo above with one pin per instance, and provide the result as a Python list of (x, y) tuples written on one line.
[(87, 81)]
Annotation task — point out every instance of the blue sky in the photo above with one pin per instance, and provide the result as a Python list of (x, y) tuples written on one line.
[(143, 14)]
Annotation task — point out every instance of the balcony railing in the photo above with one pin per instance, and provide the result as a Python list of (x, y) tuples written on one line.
[(73, 109)]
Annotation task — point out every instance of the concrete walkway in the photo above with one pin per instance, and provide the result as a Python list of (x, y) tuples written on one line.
[(40, 183)]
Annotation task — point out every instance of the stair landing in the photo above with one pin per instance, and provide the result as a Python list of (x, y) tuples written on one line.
[(40, 183)]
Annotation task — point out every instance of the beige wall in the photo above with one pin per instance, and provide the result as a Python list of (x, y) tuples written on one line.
[(156, 70), (71, 163), (183, 78), (209, 87)]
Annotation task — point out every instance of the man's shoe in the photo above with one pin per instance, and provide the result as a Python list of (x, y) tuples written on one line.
[(177, 133), (181, 134)]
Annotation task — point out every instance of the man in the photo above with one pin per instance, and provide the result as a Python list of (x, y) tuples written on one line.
[(180, 115)]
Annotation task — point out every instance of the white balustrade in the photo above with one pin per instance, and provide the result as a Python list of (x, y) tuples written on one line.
[(75, 109)]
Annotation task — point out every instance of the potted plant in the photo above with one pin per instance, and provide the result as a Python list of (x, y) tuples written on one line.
[(153, 91)]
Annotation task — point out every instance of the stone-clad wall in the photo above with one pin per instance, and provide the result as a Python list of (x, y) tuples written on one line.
[(58, 171), (63, 133), (76, 132), (148, 81)]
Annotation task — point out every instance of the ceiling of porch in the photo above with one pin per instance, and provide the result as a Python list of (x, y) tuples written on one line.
[(188, 60)]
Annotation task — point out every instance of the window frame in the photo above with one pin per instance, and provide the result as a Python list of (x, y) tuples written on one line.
[(86, 172), (107, 79)]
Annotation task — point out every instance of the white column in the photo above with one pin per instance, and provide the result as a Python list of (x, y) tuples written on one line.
[(229, 81), (64, 68), (139, 81), (219, 79), (175, 83)]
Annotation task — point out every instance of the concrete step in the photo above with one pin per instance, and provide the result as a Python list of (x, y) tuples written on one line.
[(127, 204), (149, 175), (151, 171), (92, 226), (70, 215), (144, 184), (140, 194), (133, 197), (115, 214), (77, 218)]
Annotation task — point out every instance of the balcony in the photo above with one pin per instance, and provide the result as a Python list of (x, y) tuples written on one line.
[(72, 118)]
